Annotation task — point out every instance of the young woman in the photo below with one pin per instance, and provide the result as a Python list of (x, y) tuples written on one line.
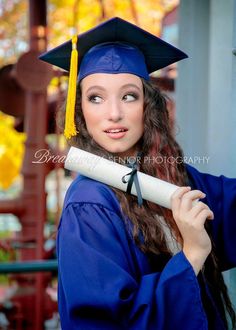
[(122, 266)]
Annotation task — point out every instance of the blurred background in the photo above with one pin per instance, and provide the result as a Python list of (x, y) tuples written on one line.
[(202, 107)]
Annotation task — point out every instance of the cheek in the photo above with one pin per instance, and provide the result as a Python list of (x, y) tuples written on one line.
[(140, 122), (138, 118), (89, 115)]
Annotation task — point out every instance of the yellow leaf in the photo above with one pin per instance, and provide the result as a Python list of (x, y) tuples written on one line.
[(11, 151)]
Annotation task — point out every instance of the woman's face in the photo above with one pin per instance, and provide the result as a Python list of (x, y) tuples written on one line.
[(112, 106)]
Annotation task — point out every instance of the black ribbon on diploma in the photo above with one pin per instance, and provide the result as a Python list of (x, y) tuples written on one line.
[(133, 179)]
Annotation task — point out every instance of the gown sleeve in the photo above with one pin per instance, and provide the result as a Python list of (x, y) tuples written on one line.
[(221, 198), (98, 287)]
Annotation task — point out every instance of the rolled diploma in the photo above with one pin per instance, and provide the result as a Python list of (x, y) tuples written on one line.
[(111, 173)]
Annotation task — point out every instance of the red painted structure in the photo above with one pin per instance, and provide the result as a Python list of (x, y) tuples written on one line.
[(30, 307)]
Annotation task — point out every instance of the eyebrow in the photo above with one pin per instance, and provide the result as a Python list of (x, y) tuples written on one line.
[(122, 87), (130, 85), (95, 87)]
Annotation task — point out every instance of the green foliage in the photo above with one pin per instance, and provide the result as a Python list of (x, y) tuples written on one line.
[(5, 234), (4, 280), (5, 256)]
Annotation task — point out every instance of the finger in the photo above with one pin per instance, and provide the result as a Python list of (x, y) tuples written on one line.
[(180, 192), (199, 207), (189, 197), (211, 216), (203, 216), (176, 198)]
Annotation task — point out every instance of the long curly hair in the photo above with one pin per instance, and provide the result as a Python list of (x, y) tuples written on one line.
[(158, 146)]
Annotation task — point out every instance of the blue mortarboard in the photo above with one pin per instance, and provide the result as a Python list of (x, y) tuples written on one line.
[(101, 49), (113, 57), (115, 46)]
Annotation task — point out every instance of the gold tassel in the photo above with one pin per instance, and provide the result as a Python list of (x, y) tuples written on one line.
[(70, 128)]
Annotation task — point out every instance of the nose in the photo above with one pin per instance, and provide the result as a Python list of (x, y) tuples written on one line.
[(115, 112)]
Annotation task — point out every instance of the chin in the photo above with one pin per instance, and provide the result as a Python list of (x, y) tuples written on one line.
[(115, 149), (121, 151)]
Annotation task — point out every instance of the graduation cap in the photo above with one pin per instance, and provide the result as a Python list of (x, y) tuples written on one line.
[(115, 46)]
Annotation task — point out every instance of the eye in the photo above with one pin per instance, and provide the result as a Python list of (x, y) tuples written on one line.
[(95, 98), (130, 97)]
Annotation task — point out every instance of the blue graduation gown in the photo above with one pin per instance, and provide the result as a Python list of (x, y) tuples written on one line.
[(106, 282)]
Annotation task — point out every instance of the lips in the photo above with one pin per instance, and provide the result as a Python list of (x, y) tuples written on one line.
[(116, 133), (116, 130)]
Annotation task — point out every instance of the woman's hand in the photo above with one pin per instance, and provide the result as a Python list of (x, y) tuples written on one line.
[(190, 217)]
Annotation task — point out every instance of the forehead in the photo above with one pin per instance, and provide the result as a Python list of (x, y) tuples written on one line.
[(107, 80)]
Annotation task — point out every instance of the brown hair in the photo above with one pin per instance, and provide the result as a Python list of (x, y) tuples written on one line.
[(157, 143)]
